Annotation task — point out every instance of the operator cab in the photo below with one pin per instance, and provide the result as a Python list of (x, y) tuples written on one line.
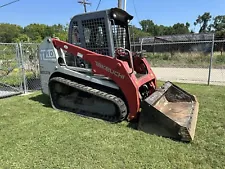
[(101, 31), (105, 32)]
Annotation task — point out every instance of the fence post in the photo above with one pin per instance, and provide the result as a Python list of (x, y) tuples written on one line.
[(19, 65), (211, 60), (154, 46), (133, 42), (23, 69), (142, 43)]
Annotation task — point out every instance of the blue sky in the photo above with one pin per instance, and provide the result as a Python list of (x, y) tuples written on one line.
[(166, 12)]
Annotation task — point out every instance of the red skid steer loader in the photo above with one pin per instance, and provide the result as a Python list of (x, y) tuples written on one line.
[(96, 75)]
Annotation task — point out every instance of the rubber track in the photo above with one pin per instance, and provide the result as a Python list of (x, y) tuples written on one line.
[(107, 96)]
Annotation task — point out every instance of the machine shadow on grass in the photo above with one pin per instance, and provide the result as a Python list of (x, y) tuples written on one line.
[(43, 99)]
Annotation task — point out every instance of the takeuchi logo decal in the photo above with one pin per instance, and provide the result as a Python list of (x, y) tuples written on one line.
[(115, 73)]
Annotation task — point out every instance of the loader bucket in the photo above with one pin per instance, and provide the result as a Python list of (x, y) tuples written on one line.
[(170, 112)]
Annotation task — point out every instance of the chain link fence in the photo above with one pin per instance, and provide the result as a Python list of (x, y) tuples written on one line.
[(185, 59), (188, 61), (30, 64), (217, 75), (10, 70), (19, 69)]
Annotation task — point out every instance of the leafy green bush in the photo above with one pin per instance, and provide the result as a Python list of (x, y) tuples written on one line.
[(15, 78), (12, 80)]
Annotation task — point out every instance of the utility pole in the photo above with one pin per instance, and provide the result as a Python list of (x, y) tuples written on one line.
[(120, 4), (125, 5), (84, 3), (122, 32)]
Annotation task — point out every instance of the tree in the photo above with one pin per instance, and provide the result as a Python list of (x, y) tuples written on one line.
[(180, 28), (8, 32), (60, 31), (159, 30), (21, 38), (203, 21), (137, 33), (148, 26), (37, 32), (219, 25), (169, 30)]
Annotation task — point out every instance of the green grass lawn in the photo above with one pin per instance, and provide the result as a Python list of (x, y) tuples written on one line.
[(33, 135)]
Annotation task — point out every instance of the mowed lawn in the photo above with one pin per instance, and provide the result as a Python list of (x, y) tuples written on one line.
[(33, 135)]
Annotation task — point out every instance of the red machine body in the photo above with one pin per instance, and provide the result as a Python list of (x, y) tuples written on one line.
[(119, 71)]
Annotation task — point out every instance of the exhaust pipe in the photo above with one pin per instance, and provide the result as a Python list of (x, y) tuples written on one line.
[(170, 112)]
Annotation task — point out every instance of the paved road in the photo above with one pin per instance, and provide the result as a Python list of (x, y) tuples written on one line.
[(190, 75)]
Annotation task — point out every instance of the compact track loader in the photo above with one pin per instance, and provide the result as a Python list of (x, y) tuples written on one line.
[(96, 75)]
